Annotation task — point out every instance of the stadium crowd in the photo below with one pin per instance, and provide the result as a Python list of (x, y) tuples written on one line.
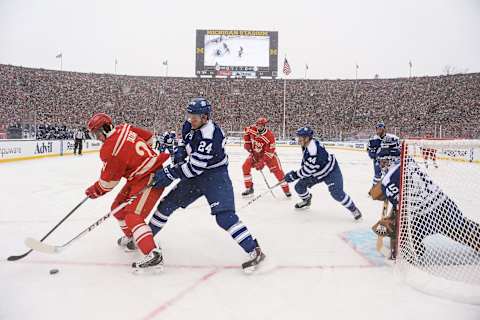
[(421, 106), (41, 132)]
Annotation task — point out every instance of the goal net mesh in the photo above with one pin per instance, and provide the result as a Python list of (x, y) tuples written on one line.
[(438, 224)]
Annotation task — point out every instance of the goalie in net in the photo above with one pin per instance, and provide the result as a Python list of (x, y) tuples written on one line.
[(432, 237)]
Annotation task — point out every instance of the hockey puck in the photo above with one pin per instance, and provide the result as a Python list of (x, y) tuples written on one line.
[(53, 271)]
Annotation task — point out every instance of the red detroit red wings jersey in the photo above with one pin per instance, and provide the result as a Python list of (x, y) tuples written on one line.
[(259, 143), (127, 153)]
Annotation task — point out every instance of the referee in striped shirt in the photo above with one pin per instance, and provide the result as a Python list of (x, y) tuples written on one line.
[(79, 136)]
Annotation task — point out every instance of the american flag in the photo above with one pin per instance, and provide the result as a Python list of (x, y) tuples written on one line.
[(286, 67), (59, 55)]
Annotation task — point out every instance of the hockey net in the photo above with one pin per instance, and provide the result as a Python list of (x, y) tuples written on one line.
[(438, 224)]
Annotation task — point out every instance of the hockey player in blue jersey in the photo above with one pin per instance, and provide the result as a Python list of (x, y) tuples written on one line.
[(168, 142), (173, 136), (318, 166), (434, 211), (382, 139), (201, 165)]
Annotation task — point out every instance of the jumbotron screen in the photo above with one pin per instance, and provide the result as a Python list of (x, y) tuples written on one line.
[(236, 53)]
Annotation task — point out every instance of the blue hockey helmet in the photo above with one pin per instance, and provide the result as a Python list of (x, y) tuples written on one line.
[(305, 132), (380, 125), (199, 106)]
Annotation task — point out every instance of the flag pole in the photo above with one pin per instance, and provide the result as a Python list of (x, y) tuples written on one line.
[(286, 72), (284, 104), (61, 62), (165, 64), (356, 80)]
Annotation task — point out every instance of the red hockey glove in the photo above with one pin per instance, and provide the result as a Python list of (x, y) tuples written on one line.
[(95, 191)]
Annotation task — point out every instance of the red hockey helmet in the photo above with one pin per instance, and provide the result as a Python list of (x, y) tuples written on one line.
[(261, 121), (100, 122)]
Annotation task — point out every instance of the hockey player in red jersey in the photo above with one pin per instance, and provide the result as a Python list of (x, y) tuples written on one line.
[(127, 152), (260, 143)]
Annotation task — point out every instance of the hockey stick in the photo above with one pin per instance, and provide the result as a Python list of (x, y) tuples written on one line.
[(47, 248), (15, 258), (261, 195), (379, 245), (268, 185)]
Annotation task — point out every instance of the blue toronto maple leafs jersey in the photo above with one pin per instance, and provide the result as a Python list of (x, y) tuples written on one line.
[(391, 184), (424, 195), (316, 161), (388, 141), (168, 139), (205, 149)]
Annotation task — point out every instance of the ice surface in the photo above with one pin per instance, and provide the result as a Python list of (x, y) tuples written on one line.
[(323, 271)]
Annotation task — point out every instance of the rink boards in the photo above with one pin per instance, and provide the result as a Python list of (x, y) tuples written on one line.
[(15, 150)]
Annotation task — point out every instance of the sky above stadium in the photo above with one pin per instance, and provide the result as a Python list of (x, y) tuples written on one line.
[(330, 36)]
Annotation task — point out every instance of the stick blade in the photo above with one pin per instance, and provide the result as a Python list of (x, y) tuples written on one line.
[(40, 246), (379, 244), (15, 258)]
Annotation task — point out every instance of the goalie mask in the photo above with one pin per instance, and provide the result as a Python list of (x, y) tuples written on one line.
[(386, 159)]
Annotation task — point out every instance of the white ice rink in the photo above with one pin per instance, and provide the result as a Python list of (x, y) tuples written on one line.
[(326, 264)]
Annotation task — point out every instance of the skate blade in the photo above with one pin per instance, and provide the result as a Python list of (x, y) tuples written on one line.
[(148, 271), (265, 267), (125, 249), (302, 209)]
